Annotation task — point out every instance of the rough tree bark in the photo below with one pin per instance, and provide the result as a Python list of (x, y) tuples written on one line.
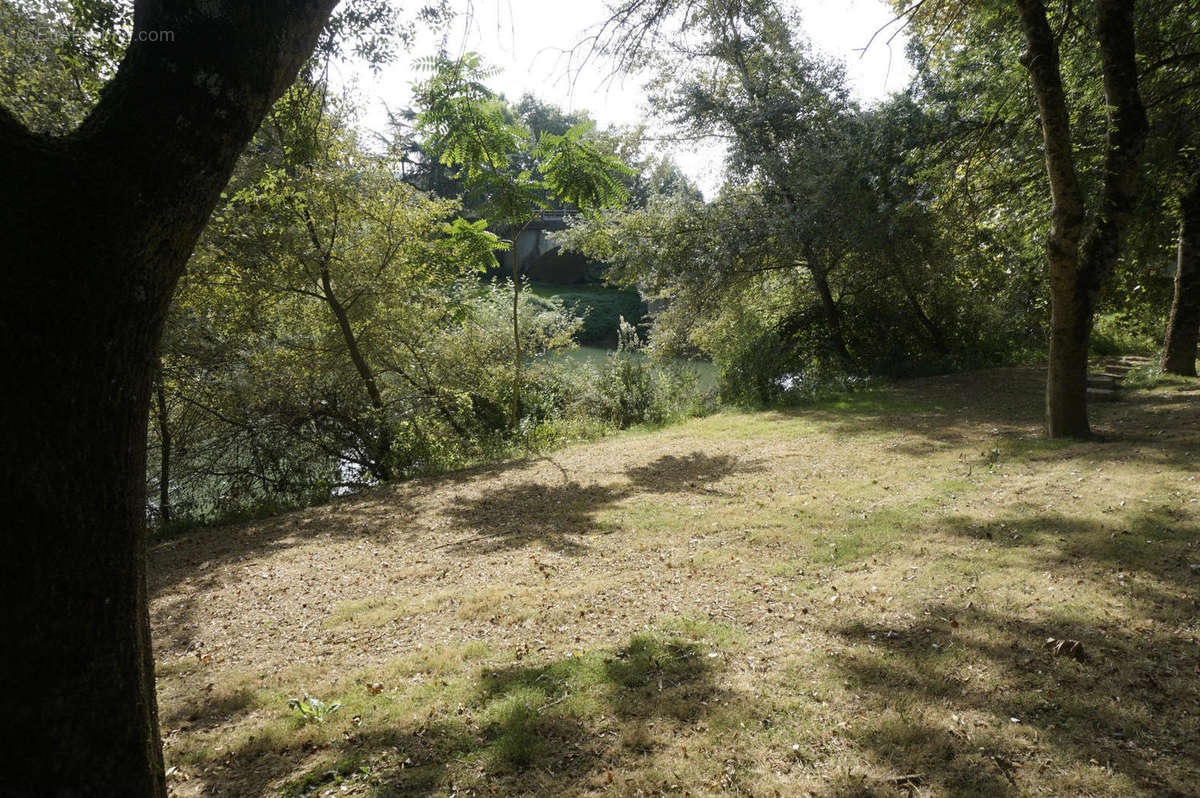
[(1080, 259), (1183, 330), (99, 225)]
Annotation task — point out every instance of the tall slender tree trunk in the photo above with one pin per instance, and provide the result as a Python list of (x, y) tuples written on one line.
[(515, 410), (99, 227), (1183, 329), (1079, 262), (381, 467)]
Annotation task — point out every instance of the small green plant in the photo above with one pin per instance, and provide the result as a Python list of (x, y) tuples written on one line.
[(309, 709)]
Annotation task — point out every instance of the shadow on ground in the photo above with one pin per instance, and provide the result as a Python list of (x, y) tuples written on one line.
[(1005, 406), (555, 515), (558, 516), (1124, 715), (522, 731)]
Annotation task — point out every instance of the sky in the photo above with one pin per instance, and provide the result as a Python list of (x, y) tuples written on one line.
[(526, 40)]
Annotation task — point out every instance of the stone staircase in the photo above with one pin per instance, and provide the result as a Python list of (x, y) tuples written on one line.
[(1104, 381)]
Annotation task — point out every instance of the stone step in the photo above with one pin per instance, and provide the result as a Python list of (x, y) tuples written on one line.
[(1102, 381), (1103, 395), (1128, 363)]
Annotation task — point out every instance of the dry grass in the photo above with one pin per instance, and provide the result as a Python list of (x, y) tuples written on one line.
[(824, 601)]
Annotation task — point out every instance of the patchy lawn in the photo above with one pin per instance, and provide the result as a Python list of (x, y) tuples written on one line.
[(849, 599)]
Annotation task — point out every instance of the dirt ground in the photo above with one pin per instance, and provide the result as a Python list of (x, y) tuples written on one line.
[(904, 592)]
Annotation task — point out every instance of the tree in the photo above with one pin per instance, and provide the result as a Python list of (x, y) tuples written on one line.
[(465, 124), (108, 215), (1081, 253), (323, 220), (791, 129), (821, 198), (1169, 39), (1183, 327)]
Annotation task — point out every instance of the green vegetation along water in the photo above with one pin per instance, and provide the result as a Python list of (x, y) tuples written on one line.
[(596, 356), (601, 307)]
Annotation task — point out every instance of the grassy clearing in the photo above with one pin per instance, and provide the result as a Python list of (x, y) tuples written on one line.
[(848, 599), (600, 306)]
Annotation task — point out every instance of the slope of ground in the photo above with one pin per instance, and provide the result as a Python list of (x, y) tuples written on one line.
[(850, 599)]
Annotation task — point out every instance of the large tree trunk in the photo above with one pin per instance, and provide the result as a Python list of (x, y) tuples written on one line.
[(1183, 330), (1077, 263), (99, 227)]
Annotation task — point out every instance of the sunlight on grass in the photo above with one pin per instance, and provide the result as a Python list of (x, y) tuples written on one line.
[(825, 600)]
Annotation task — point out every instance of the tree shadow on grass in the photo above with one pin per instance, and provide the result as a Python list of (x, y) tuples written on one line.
[(936, 412), (1123, 719), (183, 569), (1006, 406), (558, 516), (553, 728), (1145, 555), (1130, 706)]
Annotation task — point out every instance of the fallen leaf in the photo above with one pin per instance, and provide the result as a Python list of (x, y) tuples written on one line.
[(1065, 648)]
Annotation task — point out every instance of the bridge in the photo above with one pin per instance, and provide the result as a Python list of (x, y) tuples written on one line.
[(541, 259)]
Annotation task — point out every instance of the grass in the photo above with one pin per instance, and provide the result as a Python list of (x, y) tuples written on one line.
[(601, 307), (847, 599)]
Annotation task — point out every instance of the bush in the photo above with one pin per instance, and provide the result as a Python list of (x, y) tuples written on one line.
[(1125, 334), (631, 388)]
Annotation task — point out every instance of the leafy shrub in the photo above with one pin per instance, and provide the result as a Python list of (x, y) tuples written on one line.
[(631, 388), (1124, 334), (314, 710)]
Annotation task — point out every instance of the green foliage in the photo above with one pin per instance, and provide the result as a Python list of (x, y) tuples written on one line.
[(578, 172), (331, 332), (312, 710), (461, 119), (1125, 334), (630, 388), (345, 772), (469, 129), (56, 55), (600, 308), (842, 243)]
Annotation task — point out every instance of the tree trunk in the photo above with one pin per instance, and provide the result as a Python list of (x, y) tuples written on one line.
[(935, 332), (516, 275), (101, 223), (833, 316), (164, 453), (1070, 332), (1183, 330), (1075, 276), (381, 469)]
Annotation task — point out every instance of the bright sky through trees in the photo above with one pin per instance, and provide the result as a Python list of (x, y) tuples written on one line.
[(528, 41)]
